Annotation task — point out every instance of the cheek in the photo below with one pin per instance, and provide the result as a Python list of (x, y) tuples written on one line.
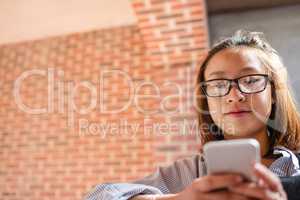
[(215, 108), (261, 104)]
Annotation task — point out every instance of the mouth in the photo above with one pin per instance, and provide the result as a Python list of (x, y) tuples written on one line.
[(240, 113)]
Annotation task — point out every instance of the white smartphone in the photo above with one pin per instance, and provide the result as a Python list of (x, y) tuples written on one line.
[(235, 156)]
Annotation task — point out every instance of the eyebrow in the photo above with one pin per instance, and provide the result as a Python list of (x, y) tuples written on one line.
[(223, 72)]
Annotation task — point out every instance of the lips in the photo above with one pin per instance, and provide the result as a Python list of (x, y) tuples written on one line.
[(238, 113)]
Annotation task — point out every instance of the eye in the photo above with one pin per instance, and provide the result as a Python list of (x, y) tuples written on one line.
[(220, 85), (217, 84), (251, 80)]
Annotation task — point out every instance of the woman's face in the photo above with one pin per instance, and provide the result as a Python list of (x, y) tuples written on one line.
[(225, 111)]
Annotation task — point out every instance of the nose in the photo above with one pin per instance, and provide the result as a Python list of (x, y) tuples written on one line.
[(235, 95)]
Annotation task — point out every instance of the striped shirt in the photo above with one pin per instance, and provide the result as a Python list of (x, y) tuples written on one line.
[(180, 174)]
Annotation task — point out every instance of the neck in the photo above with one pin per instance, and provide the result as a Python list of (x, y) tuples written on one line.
[(261, 136)]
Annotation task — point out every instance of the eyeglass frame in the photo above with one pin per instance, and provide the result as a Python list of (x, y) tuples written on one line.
[(267, 79)]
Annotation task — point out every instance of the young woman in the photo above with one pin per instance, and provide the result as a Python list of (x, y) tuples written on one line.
[(243, 84)]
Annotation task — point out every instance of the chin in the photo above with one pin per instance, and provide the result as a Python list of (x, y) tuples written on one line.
[(237, 133)]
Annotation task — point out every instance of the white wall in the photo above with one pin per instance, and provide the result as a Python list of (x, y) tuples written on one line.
[(34, 19)]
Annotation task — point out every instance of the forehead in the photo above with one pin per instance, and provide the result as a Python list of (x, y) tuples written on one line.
[(233, 62)]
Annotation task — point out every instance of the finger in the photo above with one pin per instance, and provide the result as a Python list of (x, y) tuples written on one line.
[(254, 191), (270, 179), (214, 182), (262, 184)]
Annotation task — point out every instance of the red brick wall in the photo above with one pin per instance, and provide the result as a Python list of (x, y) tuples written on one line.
[(57, 147)]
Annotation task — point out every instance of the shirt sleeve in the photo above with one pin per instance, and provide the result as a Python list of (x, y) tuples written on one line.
[(165, 180)]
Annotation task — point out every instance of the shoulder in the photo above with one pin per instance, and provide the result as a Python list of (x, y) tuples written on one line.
[(288, 164), (175, 176), (187, 165), (194, 165)]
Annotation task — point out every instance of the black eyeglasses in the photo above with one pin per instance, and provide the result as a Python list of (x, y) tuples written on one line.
[(248, 84)]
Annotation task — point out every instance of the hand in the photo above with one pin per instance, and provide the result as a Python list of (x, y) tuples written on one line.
[(212, 187), (268, 187)]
